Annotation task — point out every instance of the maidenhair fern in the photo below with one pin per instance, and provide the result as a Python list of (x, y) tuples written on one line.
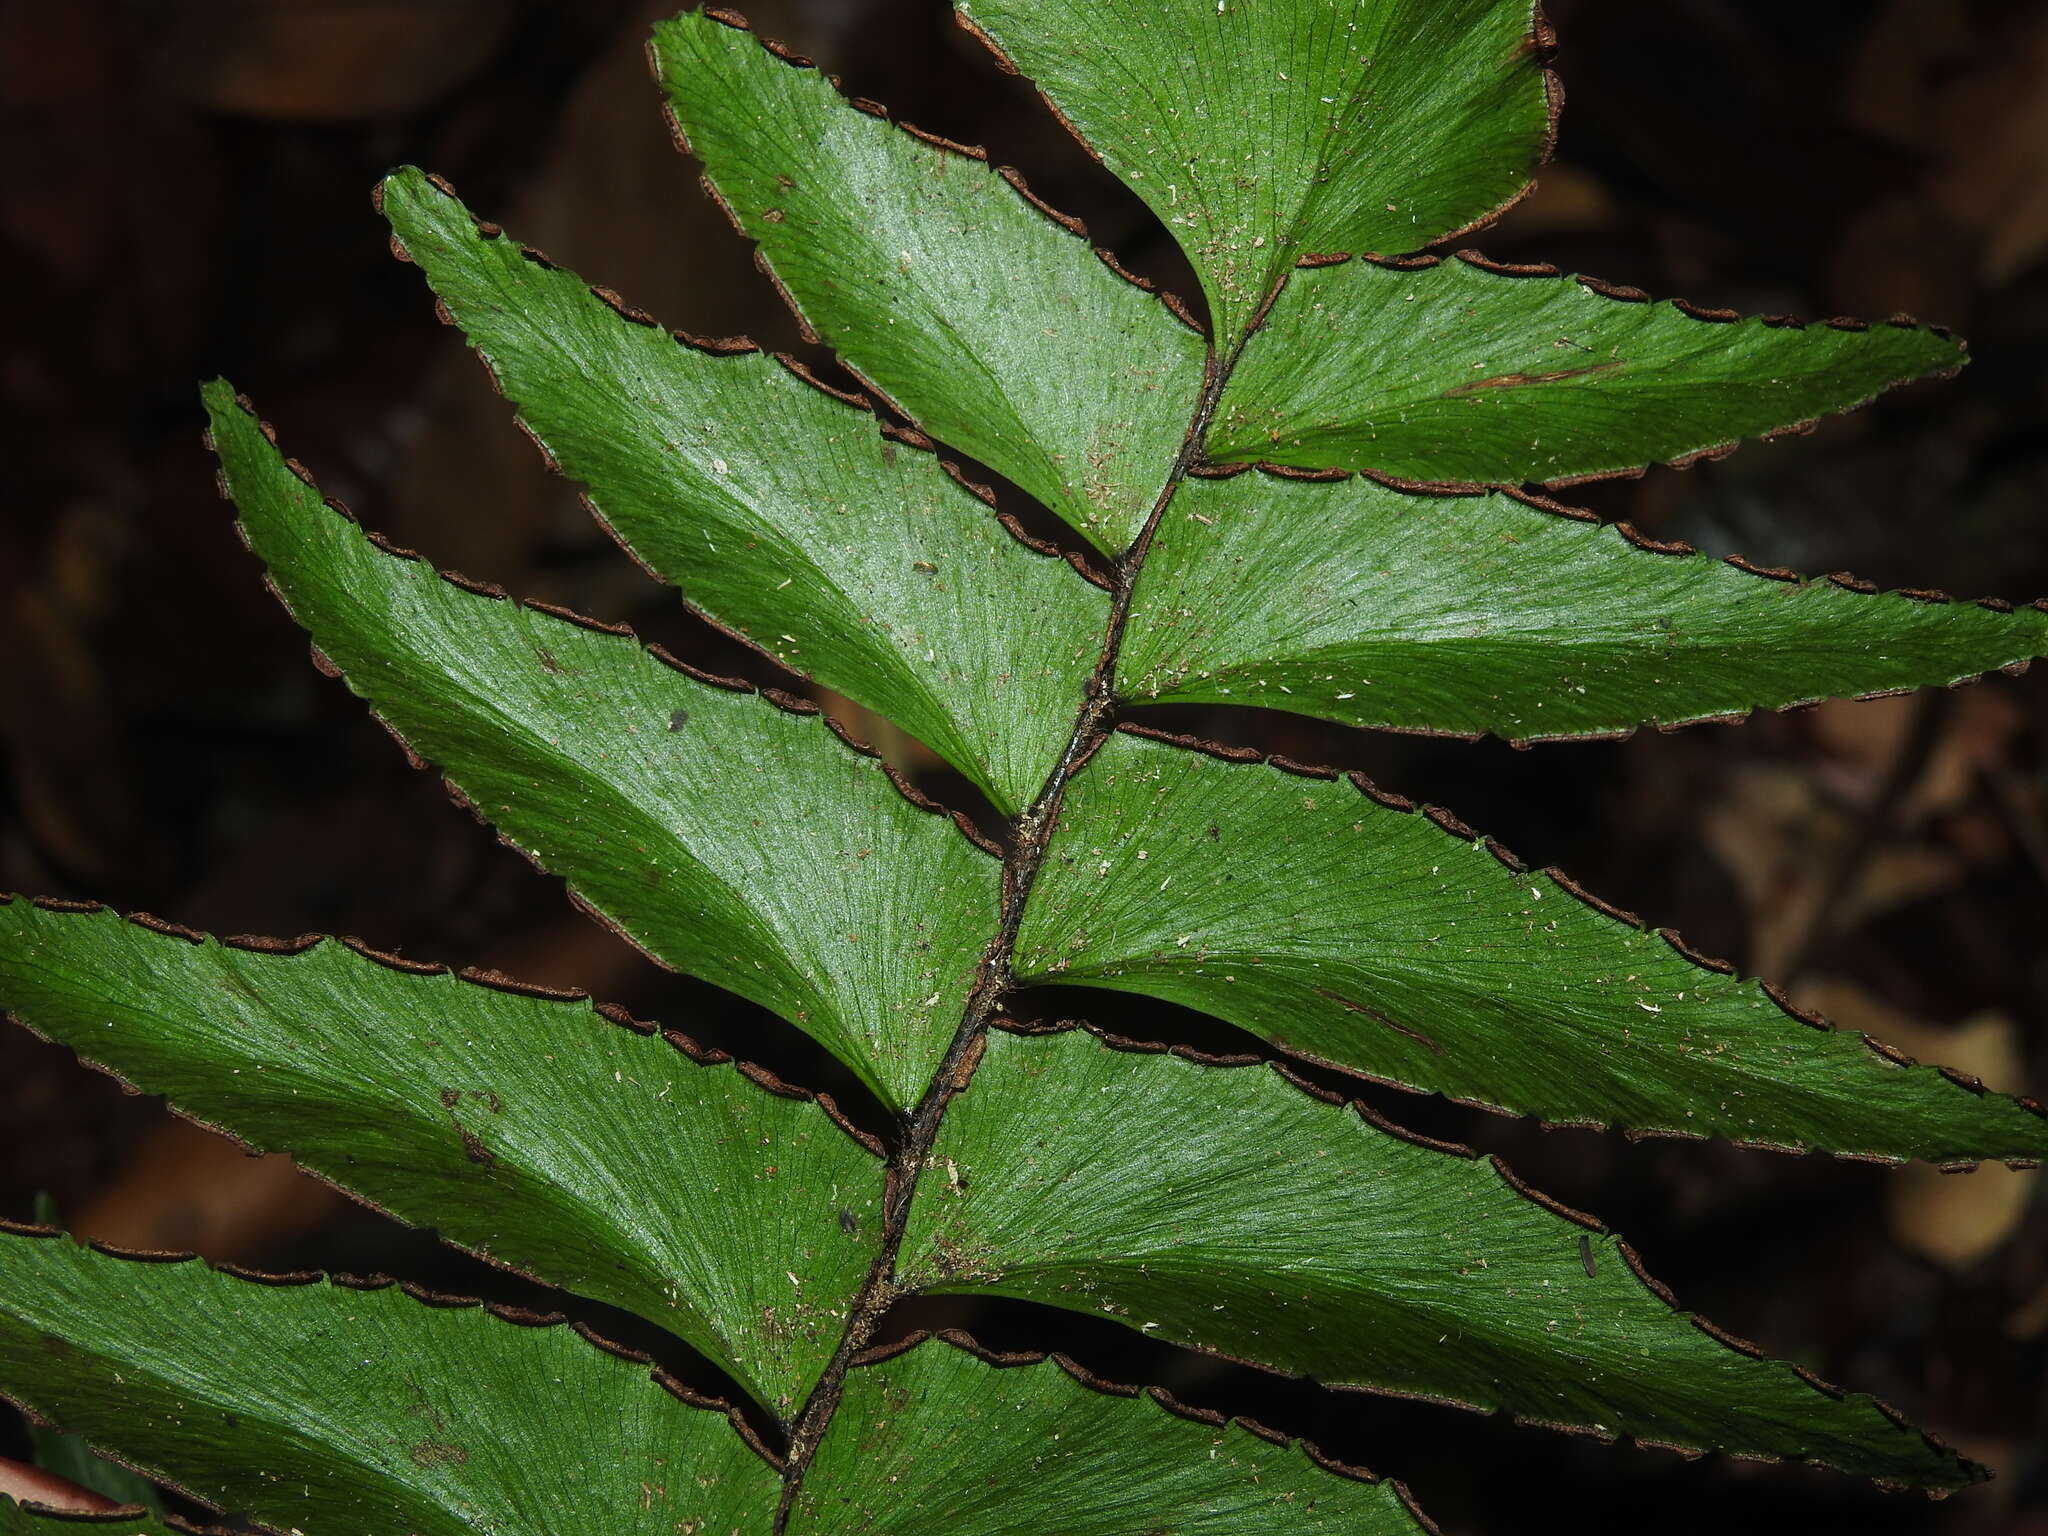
[(1319, 502)]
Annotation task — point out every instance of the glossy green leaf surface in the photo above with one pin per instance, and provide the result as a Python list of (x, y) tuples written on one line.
[(1227, 1209), (781, 512), (730, 839), (1374, 938), (1000, 332), (1372, 606), (1293, 150), (1456, 373), (1259, 133), (534, 1131), (361, 1413), (333, 1409), (951, 1446)]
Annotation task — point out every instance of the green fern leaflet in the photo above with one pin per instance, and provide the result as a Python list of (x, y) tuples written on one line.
[(1327, 499)]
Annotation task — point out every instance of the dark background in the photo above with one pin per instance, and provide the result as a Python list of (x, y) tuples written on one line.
[(187, 193)]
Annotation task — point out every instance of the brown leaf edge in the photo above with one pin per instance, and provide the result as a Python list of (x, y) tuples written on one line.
[(699, 1055), (125, 1514), (518, 1317), (1084, 560), (1006, 1360), (487, 592), (1081, 560), (1453, 828), (760, 1078), (714, 351), (1064, 222), (1617, 1247), (1621, 293), (1678, 548), (119, 1515), (1539, 47)]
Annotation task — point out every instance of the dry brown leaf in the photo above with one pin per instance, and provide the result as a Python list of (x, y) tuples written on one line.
[(188, 1189), (1971, 87), (326, 60), (1783, 842)]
